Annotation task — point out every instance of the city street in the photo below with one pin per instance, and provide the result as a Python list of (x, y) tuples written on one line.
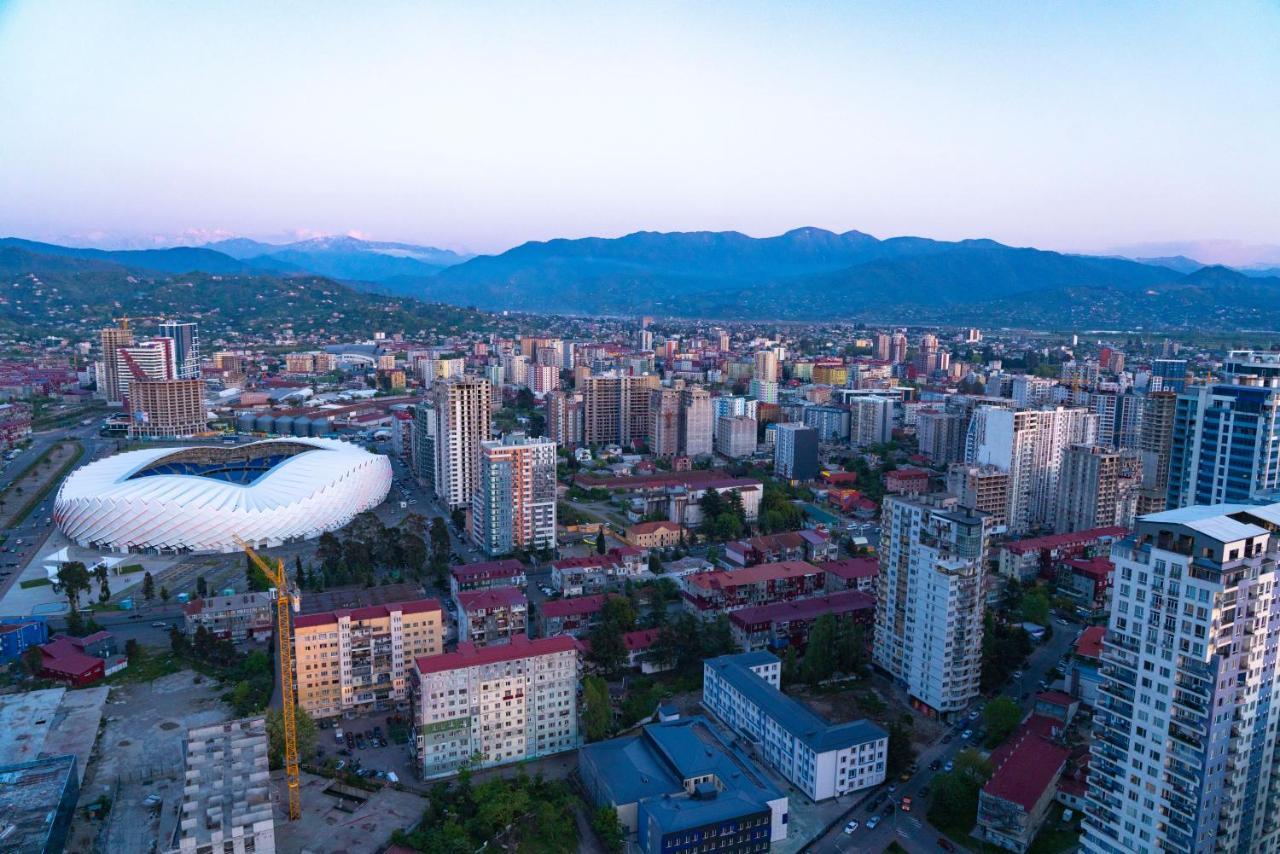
[(910, 830)]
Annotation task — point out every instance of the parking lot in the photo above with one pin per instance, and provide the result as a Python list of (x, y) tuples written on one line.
[(368, 745)]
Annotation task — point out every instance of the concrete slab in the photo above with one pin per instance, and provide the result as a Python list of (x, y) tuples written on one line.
[(51, 722)]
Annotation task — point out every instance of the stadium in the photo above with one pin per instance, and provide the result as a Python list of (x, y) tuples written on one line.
[(199, 499)]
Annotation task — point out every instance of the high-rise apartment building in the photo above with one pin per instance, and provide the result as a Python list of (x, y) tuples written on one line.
[(148, 360), (564, 418), (982, 488), (226, 794), (166, 408), (795, 453), (462, 409), (941, 435), (498, 704), (1155, 444), (928, 630), (870, 420), (766, 366), (898, 348), (109, 367), (884, 347), (1172, 373), (697, 423), (736, 436), (186, 347), (514, 505), (1183, 753), (1226, 435), (360, 659), (764, 391), (424, 443), (664, 422), (1029, 445), (1099, 488), (615, 408)]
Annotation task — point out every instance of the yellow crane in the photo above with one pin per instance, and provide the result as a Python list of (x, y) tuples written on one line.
[(274, 571)]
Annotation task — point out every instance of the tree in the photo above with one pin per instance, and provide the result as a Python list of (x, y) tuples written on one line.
[(254, 577), (33, 660), (852, 647), (1001, 716), (73, 577), (306, 728), (164, 594), (597, 715), (178, 642), (148, 587), (655, 562), (601, 545), (954, 805), (608, 649), (901, 753), (459, 517), (202, 587), (133, 650), (1035, 607), (790, 667), (820, 653), (604, 821)]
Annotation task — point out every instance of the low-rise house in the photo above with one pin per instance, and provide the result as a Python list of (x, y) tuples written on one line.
[(907, 480), (1087, 581), (1038, 556), (1013, 804), (493, 616), (576, 616), (482, 576), (712, 593), (639, 645), (781, 624), (1084, 677), (854, 573), (81, 661), (810, 544), (238, 618), (654, 535), (590, 574)]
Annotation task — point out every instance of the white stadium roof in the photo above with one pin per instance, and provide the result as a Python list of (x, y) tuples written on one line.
[(200, 498)]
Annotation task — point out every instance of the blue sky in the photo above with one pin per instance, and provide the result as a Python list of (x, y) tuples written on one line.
[(484, 124)]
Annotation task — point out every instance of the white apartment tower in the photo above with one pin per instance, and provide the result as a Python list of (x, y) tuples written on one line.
[(1184, 748), (1028, 444), (462, 423), (697, 422), (928, 631), (496, 704)]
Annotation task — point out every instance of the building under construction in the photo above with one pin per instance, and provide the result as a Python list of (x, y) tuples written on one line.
[(226, 801)]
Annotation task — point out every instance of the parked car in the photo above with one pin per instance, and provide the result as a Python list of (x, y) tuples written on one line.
[(935, 765), (872, 822), (906, 803), (159, 625), (948, 738), (949, 766), (851, 826), (967, 734), (946, 844)]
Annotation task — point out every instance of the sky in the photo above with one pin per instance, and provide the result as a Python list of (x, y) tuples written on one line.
[(479, 125)]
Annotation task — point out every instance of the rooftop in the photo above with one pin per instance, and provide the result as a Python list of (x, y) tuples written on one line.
[(358, 596), (850, 568), (1058, 541), (1097, 568), (30, 794), (371, 612), (229, 603), (753, 574), (493, 597), (572, 607), (1089, 644), (844, 602), (1026, 769), (652, 527), (468, 655), (508, 568), (1216, 521), (792, 715)]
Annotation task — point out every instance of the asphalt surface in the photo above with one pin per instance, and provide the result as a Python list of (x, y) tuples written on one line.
[(911, 830)]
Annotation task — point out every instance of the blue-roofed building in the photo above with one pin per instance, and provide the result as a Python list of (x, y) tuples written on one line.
[(822, 759), (679, 785), (18, 634)]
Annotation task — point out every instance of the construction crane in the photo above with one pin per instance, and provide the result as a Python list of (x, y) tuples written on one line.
[(274, 571)]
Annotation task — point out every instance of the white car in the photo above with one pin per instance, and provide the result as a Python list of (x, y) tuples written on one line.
[(851, 826), (966, 734), (872, 822)]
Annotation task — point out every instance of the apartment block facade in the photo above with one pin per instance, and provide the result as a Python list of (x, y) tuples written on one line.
[(615, 408), (361, 659), (514, 505), (462, 412), (495, 705)]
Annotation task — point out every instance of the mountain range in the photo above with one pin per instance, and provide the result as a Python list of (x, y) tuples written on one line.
[(806, 273)]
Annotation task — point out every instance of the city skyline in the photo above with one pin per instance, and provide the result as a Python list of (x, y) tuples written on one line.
[(481, 129)]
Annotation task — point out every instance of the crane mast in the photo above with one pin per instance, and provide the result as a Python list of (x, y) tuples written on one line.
[(274, 571)]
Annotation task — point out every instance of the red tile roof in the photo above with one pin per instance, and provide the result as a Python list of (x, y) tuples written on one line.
[(1097, 568), (844, 602), (489, 569), (641, 639), (1026, 769), (1090, 643), (695, 479), (66, 655), (852, 567), (652, 527), (467, 655), (372, 612), (494, 597), (572, 607), (1058, 698), (721, 579), (1058, 541)]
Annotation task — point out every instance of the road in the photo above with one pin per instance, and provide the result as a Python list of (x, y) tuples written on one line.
[(910, 830)]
